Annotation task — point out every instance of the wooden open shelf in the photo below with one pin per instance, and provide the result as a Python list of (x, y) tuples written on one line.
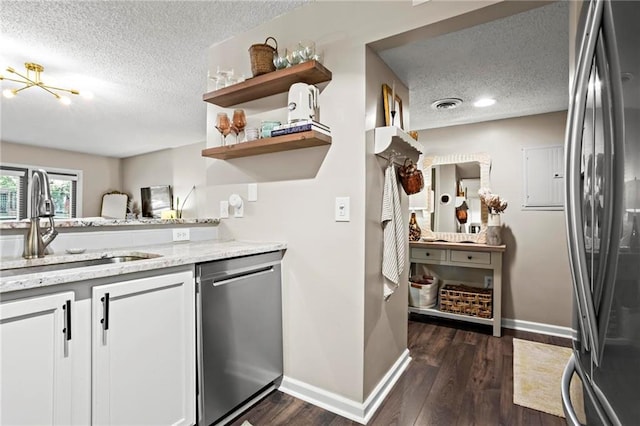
[(311, 72), (268, 145)]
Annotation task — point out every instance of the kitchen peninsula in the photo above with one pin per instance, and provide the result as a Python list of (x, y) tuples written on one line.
[(92, 339)]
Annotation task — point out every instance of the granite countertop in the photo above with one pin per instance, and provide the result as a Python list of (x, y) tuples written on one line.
[(160, 256), (86, 222)]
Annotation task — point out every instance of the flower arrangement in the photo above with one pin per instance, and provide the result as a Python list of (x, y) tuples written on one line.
[(492, 201)]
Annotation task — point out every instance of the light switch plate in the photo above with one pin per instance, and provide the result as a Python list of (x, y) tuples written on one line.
[(224, 209), (252, 192), (343, 210)]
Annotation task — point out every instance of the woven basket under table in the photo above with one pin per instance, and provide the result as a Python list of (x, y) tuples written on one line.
[(466, 300)]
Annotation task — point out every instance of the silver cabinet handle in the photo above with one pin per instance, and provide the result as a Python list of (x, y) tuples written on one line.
[(567, 407)]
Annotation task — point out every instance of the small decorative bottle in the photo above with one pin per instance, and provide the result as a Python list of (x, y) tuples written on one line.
[(414, 229)]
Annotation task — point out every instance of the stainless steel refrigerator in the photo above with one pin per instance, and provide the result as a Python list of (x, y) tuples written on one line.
[(603, 210)]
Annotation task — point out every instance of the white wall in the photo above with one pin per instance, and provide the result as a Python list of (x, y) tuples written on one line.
[(179, 167), (327, 286), (385, 332), (99, 174), (536, 279)]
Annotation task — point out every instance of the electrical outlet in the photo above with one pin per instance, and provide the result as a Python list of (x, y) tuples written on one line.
[(181, 234), (488, 282)]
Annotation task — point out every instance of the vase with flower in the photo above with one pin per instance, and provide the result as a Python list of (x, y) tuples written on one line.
[(495, 207)]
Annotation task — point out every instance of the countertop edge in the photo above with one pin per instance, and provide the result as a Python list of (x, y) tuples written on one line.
[(98, 222), (458, 246), (170, 255)]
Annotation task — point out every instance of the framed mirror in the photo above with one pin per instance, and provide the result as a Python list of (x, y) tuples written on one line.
[(114, 205), (454, 210)]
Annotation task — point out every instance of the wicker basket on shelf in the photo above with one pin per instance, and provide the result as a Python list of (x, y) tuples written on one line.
[(466, 300), (262, 57)]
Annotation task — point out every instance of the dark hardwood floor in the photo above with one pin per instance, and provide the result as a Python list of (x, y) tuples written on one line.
[(459, 375)]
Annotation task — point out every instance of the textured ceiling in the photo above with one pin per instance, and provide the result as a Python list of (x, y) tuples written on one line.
[(522, 61), (145, 62)]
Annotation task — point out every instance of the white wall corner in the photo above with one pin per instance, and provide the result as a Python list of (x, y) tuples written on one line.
[(537, 327), (352, 410)]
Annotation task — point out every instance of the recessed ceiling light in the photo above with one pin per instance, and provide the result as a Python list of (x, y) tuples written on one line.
[(484, 102), (448, 103)]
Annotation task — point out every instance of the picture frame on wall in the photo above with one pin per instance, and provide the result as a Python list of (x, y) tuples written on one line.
[(392, 102)]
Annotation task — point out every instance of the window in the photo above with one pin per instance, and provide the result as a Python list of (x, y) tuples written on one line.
[(13, 189), (14, 183)]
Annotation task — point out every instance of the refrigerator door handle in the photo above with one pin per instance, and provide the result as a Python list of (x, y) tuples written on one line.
[(608, 52), (577, 107), (567, 406), (605, 414)]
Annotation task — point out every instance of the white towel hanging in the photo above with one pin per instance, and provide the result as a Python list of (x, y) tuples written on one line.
[(394, 238)]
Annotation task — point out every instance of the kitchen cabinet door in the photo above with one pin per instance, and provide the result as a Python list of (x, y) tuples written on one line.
[(36, 360), (143, 351)]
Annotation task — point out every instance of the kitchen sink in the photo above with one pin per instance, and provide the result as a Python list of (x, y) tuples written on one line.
[(75, 264)]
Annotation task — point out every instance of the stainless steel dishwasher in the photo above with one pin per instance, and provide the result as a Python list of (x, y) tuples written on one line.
[(239, 310)]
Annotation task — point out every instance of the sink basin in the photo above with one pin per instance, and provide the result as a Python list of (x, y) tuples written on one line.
[(74, 264)]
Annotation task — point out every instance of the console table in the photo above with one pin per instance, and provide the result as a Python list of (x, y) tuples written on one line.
[(463, 255)]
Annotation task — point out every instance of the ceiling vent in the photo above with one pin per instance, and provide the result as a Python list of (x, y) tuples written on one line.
[(448, 103)]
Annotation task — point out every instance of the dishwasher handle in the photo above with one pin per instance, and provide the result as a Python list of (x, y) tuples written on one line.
[(243, 275), (229, 276)]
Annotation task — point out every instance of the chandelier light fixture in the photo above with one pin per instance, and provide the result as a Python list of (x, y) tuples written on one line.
[(34, 80)]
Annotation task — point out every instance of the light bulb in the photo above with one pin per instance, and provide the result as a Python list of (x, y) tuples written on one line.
[(8, 93), (484, 102), (64, 100)]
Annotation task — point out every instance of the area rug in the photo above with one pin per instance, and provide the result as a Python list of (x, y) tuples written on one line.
[(537, 376), (246, 423)]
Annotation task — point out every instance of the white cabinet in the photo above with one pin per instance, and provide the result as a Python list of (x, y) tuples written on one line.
[(36, 360), (143, 351), (141, 370)]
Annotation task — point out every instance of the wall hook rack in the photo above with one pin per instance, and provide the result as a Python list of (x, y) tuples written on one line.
[(394, 145)]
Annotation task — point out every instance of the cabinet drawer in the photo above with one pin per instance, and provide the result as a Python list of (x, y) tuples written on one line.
[(428, 254), (471, 257)]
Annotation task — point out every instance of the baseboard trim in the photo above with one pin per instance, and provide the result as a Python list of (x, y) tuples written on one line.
[(537, 327), (384, 386), (345, 407)]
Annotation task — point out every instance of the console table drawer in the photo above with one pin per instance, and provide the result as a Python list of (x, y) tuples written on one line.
[(471, 257), (428, 254)]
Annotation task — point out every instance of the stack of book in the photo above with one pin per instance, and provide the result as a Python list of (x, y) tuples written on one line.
[(300, 126)]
